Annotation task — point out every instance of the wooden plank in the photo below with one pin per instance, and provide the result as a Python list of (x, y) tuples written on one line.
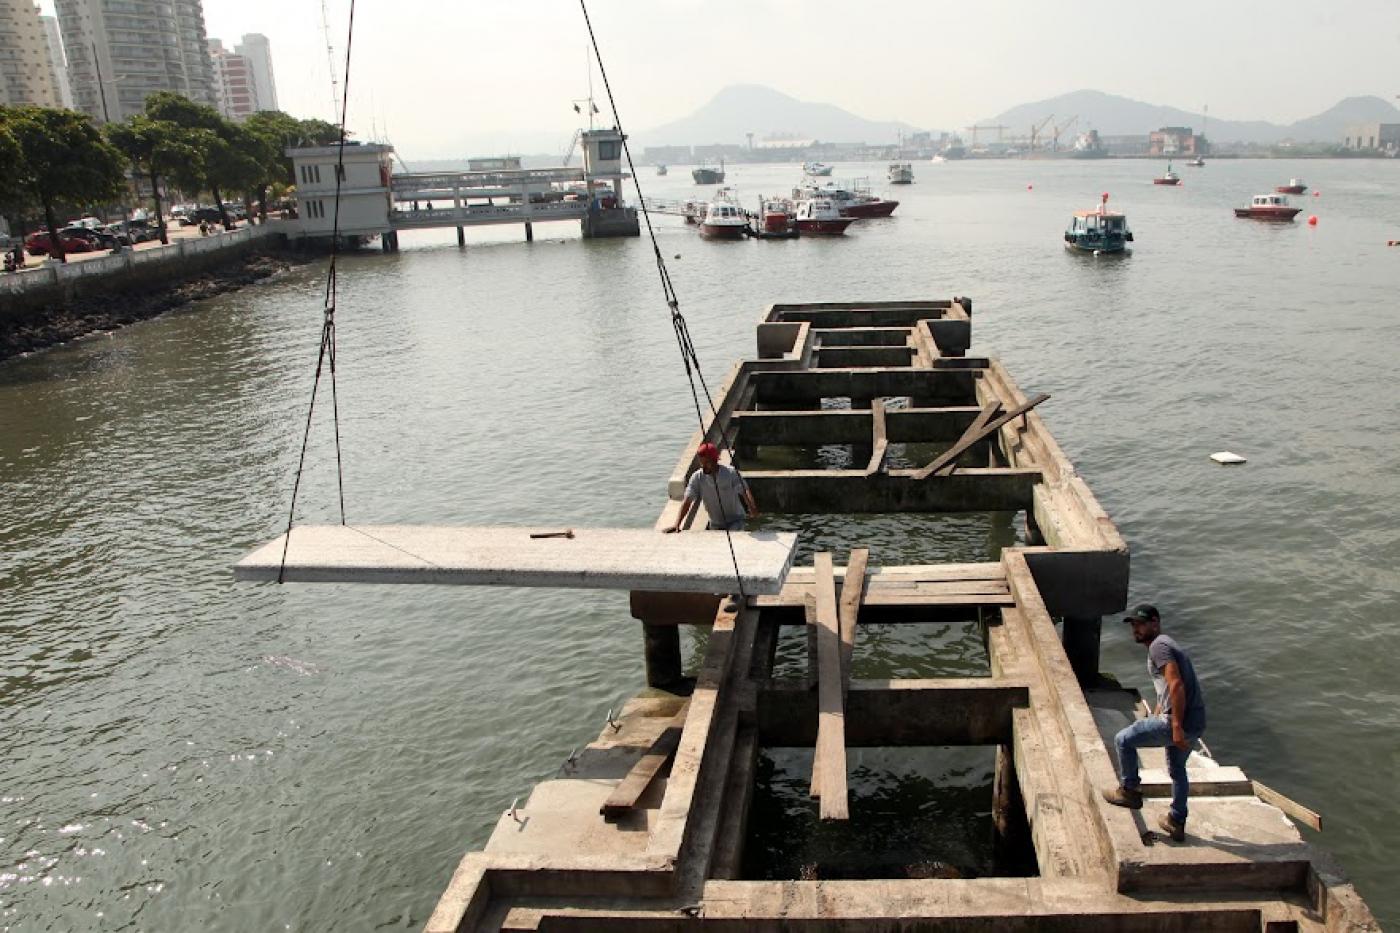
[(881, 444), (988, 570), (829, 758), (948, 459), (1289, 806), (630, 789), (851, 592), (898, 596), (979, 424)]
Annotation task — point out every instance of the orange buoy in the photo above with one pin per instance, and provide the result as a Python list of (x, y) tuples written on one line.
[(1312, 220), (1029, 187)]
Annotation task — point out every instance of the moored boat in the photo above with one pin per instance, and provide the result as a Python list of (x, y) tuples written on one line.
[(1197, 162), (723, 218), (1098, 231), (820, 216), (775, 220), (661, 170), (707, 175), (816, 168), (1268, 207), (901, 173), (1167, 178), (857, 202), (1294, 186)]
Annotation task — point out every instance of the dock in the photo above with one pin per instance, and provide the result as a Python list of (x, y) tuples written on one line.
[(645, 828)]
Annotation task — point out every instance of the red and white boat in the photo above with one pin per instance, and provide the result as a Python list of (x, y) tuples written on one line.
[(775, 219), (821, 216), (1294, 186), (1268, 207), (856, 202), (723, 218), (1169, 178)]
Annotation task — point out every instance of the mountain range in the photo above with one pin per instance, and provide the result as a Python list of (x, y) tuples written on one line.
[(741, 109)]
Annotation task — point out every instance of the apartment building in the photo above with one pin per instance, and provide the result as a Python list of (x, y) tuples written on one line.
[(26, 71)]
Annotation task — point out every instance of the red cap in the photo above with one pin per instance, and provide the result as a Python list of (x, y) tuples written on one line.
[(708, 451)]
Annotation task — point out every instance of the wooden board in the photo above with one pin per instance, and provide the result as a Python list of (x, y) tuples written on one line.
[(593, 558), (630, 789), (881, 442), (829, 758), (852, 590), (978, 430)]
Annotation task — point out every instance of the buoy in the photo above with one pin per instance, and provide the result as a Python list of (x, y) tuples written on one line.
[(1226, 457), (1105, 195), (1317, 194), (1029, 187), (1312, 220)]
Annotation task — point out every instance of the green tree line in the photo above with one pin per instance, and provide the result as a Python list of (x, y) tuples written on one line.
[(57, 159)]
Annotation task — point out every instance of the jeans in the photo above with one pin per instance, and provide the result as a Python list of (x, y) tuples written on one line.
[(1155, 732), (735, 525)]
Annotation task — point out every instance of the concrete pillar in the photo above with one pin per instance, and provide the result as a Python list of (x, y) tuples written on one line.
[(1081, 641), (529, 232), (663, 655), (384, 241), (461, 237)]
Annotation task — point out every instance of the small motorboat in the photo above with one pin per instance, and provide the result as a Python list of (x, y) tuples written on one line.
[(1098, 231), (661, 170), (775, 220), (816, 168), (1197, 162), (723, 218), (820, 216), (901, 173), (1294, 186), (857, 202), (1168, 178), (1268, 207)]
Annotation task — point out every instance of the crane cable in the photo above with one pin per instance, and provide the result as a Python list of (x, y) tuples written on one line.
[(689, 357), (327, 351)]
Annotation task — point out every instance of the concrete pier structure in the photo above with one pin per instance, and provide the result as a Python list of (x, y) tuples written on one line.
[(645, 828)]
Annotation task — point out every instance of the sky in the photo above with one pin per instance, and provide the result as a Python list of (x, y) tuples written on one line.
[(453, 78)]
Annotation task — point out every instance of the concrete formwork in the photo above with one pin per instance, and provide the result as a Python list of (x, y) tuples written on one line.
[(670, 859)]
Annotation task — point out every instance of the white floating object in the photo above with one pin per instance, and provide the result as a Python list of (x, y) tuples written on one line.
[(593, 558), (1225, 456)]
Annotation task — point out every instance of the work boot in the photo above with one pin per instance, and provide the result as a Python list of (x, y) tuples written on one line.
[(1171, 827), (1124, 797)]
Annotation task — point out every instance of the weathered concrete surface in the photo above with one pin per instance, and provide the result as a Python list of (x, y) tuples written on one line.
[(967, 490), (594, 558)]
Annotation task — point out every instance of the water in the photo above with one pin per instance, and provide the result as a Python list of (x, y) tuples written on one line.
[(185, 753)]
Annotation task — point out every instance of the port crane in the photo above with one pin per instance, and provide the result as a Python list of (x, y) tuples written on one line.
[(996, 126), (1036, 128), (1061, 130)]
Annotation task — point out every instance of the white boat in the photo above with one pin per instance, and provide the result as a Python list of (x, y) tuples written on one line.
[(818, 215), (661, 170), (723, 218), (901, 173), (816, 168)]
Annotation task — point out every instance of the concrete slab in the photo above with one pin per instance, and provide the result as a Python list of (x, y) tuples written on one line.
[(594, 558)]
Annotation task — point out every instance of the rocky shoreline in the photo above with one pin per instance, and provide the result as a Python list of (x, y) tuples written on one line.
[(53, 325)]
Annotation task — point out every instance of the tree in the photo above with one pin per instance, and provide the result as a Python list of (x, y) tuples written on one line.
[(157, 149), (277, 132), (62, 158), (229, 152)]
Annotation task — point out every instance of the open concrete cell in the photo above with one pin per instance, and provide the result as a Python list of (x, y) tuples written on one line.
[(900, 737)]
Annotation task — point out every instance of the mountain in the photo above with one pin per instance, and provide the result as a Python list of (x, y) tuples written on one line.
[(741, 109), (1113, 115)]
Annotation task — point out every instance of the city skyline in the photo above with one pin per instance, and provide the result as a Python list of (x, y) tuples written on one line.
[(507, 85)]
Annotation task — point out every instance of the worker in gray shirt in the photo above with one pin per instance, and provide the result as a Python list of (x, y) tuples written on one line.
[(1178, 720), (728, 501)]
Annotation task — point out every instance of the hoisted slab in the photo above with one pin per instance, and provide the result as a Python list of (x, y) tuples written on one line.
[(593, 558)]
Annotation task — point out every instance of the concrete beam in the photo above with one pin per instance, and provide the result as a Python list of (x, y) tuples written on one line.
[(957, 387), (971, 711), (852, 426), (836, 357), (968, 490)]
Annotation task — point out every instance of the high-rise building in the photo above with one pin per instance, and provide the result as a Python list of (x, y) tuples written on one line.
[(233, 84), (26, 73), (258, 52), (58, 60), (121, 51)]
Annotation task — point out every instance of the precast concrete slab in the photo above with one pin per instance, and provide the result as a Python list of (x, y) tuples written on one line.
[(587, 558)]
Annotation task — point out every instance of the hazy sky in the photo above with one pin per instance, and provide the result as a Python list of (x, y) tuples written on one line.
[(458, 77)]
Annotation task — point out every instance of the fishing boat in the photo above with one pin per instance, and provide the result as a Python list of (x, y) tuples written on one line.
[(661, 170), (707, 175), (723, 218), (816, 168), (1197, 162), (1273, 207), (901, 173), (776, 220), (821, 216), (856, 202), (1294, 186), (1098, 231), (1168, 178)]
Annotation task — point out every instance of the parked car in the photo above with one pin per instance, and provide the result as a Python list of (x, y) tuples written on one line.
[(127, 234), (37, 243), (141, 232), (207, 214)]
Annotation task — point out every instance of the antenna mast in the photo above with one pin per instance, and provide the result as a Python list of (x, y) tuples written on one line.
[(330, 61)]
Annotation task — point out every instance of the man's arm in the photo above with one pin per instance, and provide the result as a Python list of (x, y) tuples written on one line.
[(686, 507), (1176, 689), (749, 502)]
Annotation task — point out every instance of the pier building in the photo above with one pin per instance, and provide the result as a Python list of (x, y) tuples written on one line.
[(377, 202), (649, 826)]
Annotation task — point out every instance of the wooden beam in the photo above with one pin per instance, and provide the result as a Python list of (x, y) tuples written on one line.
[(829, 757), (949, 457), (852, 591), (630, 789), (1289, 806), (881, 444)]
